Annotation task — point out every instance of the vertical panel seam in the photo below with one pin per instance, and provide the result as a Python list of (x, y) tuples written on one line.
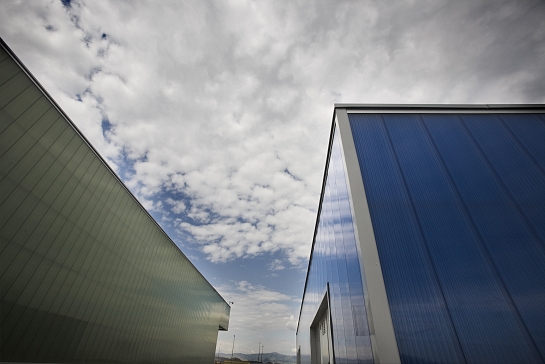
[(482, 245), (421, 232), (516, 205), (521, 145)]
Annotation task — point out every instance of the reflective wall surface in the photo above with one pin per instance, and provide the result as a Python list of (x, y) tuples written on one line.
[(457, 204), (86, 274), (334, 260)]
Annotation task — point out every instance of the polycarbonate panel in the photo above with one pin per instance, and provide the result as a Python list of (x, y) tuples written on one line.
[(334, 261), (86, 274), (457, 203)]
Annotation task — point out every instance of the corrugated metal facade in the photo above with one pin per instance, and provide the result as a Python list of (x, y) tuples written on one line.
[(457, 204), (458, 209)]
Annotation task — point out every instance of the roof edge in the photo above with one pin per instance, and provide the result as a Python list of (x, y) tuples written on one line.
[(429, 107)]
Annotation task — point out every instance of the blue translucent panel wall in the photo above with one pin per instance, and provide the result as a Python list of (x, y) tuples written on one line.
[(335, 261), (86, 275), (457, 204)]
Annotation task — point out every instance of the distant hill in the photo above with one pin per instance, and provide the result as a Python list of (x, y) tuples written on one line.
[(267, 357)]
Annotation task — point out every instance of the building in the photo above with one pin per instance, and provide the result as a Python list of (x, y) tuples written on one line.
[(87, 275), (429, 244)]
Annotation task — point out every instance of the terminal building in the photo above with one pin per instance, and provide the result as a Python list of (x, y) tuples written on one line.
[(429, 244), (86, 274)]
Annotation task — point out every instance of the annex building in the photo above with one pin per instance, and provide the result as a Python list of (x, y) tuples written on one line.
[(429, 244), (86, 274)]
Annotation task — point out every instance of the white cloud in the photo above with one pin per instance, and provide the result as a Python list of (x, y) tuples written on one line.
[(276, 265), (260, 313), (177, 206), (262, 308)]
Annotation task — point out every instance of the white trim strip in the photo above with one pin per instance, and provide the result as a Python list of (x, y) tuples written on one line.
[(444, 111)]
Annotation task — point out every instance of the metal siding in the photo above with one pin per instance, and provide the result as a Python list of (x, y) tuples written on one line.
[(458, 209), (334, 260)]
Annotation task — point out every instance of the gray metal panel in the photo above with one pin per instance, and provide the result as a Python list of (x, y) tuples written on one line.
[(224, 318), (380, 321)]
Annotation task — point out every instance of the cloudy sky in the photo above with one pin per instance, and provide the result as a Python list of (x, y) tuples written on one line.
[(216, 114)]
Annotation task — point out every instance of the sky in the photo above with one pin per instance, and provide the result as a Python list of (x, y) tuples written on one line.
[(216, 114)]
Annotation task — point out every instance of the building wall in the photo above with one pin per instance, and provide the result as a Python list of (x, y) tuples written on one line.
[(334, 261), (457, 204), (456, 201), (86, 274)]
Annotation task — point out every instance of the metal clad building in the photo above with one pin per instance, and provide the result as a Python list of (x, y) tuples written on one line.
[(87, 275), (429, 244)]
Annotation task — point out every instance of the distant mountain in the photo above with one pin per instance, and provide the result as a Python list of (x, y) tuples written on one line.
[(267, 357)]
